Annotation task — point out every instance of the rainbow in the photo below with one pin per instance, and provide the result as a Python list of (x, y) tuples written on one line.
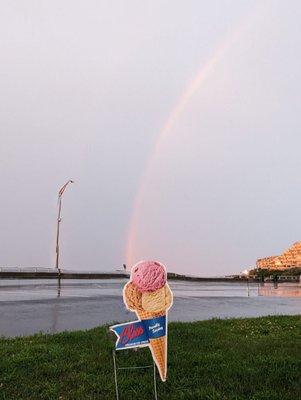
[(187, 94)]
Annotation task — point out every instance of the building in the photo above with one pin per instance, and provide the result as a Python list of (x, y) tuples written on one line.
[(291, 258)]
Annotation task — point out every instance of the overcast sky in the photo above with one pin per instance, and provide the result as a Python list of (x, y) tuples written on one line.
[(85, 90)]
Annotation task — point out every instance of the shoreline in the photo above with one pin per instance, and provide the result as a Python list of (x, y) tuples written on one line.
[(116, 275), (124, 275)]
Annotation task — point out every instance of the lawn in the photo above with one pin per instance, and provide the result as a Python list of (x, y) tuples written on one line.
[(250, 359)]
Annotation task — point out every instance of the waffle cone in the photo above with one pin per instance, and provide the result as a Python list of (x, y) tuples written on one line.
[(157, 346)]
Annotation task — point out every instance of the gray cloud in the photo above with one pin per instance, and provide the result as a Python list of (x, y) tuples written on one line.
[(85, 90)]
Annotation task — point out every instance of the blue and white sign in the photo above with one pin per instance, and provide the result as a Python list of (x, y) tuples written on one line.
[(138, 333)]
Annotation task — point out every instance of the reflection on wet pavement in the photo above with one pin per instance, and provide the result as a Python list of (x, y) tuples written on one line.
[(30, 306)]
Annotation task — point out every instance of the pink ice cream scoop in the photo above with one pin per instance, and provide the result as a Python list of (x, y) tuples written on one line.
[(148, 275)]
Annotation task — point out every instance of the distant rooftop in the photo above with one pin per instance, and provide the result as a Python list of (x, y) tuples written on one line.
[(290, 258)]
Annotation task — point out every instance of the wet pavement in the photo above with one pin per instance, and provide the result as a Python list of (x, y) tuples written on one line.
[(28, 307)]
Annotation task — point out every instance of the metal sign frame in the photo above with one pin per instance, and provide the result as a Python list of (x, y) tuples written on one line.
[(116, 368)]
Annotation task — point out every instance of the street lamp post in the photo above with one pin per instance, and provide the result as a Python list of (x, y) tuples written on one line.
[(59, 219)]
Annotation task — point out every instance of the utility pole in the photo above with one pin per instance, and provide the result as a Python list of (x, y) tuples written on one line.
[(59, 219)]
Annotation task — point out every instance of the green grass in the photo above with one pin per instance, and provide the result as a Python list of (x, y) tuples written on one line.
[(252, 359)]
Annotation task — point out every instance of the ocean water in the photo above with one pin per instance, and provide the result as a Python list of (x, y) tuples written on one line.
[(31, 306)]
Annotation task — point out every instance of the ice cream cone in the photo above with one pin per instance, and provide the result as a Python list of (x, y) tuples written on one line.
[(157, 346)]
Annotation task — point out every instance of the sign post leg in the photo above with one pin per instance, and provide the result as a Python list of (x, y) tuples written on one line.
[(115, 375), (133, 368), (155, 383)]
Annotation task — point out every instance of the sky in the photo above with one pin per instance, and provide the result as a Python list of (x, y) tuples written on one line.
[(178, 121)]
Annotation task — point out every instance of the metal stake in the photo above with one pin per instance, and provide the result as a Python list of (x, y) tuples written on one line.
[(115, 376), (155, 382), (136, 367)]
